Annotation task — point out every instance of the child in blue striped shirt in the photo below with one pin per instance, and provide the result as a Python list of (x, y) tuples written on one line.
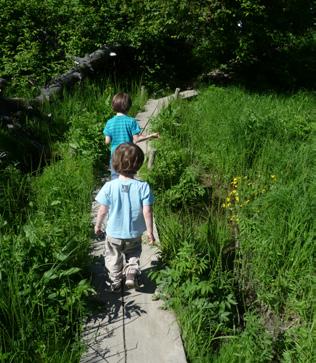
[(122, 128)]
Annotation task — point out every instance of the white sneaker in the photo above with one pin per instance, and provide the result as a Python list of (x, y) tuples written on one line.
[(131, 278)]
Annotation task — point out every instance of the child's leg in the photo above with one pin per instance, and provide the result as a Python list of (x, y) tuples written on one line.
[(114, 259), (132, 250)]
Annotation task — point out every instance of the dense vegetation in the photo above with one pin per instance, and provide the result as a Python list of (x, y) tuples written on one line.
[(258, 42), (234, 185), (45, 230), (233, 179)]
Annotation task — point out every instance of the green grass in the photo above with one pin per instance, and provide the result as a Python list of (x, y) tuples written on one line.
[(232, 169), (45, 225), (244, 161)]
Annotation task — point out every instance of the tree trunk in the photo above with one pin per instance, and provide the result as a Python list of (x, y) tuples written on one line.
[(85, 66)]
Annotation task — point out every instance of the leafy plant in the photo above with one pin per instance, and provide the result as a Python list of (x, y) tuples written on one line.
[(250, 238)]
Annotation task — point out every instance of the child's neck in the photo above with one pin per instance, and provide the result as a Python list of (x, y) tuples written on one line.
[(120, 114), (124, 177)]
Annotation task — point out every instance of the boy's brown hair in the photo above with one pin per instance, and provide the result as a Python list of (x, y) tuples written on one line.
[(121, 102), (127, 159)]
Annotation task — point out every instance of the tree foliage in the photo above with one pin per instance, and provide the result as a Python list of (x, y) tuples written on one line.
[(259, 40)]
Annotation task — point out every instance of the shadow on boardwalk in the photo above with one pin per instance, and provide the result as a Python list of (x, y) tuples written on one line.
[(130, 326), (112, 312), (111, 302)]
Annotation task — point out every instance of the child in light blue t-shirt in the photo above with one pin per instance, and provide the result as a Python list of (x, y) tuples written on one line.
[(121, 127), (128, 202)]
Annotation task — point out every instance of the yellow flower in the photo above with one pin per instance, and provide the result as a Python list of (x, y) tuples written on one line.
[(234, 218), (235, 181)]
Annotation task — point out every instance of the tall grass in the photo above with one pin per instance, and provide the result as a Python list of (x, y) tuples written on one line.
[(248, 159), (45, 226), (42, 281)]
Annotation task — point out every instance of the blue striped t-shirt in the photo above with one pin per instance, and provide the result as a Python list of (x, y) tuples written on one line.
[(120, 129)]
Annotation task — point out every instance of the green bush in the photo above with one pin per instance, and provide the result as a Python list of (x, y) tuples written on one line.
[(169, 43)]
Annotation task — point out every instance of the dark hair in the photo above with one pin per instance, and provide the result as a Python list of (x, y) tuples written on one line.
[(121, 102), (127, 159)]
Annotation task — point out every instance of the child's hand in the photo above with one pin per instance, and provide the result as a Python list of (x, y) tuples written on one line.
[(98, 231), (151, 238), (99, 235), (155, 135)]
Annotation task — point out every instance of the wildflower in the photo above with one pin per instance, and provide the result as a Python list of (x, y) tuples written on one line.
[(235, 181), (273, 177), (226, 205), (234, 218)]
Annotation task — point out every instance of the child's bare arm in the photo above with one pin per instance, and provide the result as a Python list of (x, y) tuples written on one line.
[(135, 138), (140, 138), (148, 216), (102, 212), (107, 140)]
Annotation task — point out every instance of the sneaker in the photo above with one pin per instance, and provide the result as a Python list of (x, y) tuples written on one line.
[(130, 281), (131, 278), (116, 286)]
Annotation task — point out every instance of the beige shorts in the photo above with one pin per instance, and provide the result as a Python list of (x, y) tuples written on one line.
[(120, 255)]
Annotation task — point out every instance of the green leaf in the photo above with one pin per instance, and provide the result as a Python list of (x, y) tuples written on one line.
[(71, 271)]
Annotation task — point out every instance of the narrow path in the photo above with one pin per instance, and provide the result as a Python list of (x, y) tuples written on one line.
[(131, 327)]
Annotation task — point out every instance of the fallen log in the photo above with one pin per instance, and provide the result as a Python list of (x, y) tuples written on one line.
[(88, 65), (19, 143), (17, 108)]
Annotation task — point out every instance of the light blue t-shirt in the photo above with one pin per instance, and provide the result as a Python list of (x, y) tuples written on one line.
[(125, 199), (121, 129)]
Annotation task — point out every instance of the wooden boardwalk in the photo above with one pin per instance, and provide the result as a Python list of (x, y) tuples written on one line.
[(131, 326)]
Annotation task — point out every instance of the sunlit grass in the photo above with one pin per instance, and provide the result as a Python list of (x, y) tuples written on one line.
[(252, 156), (45, 226)]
